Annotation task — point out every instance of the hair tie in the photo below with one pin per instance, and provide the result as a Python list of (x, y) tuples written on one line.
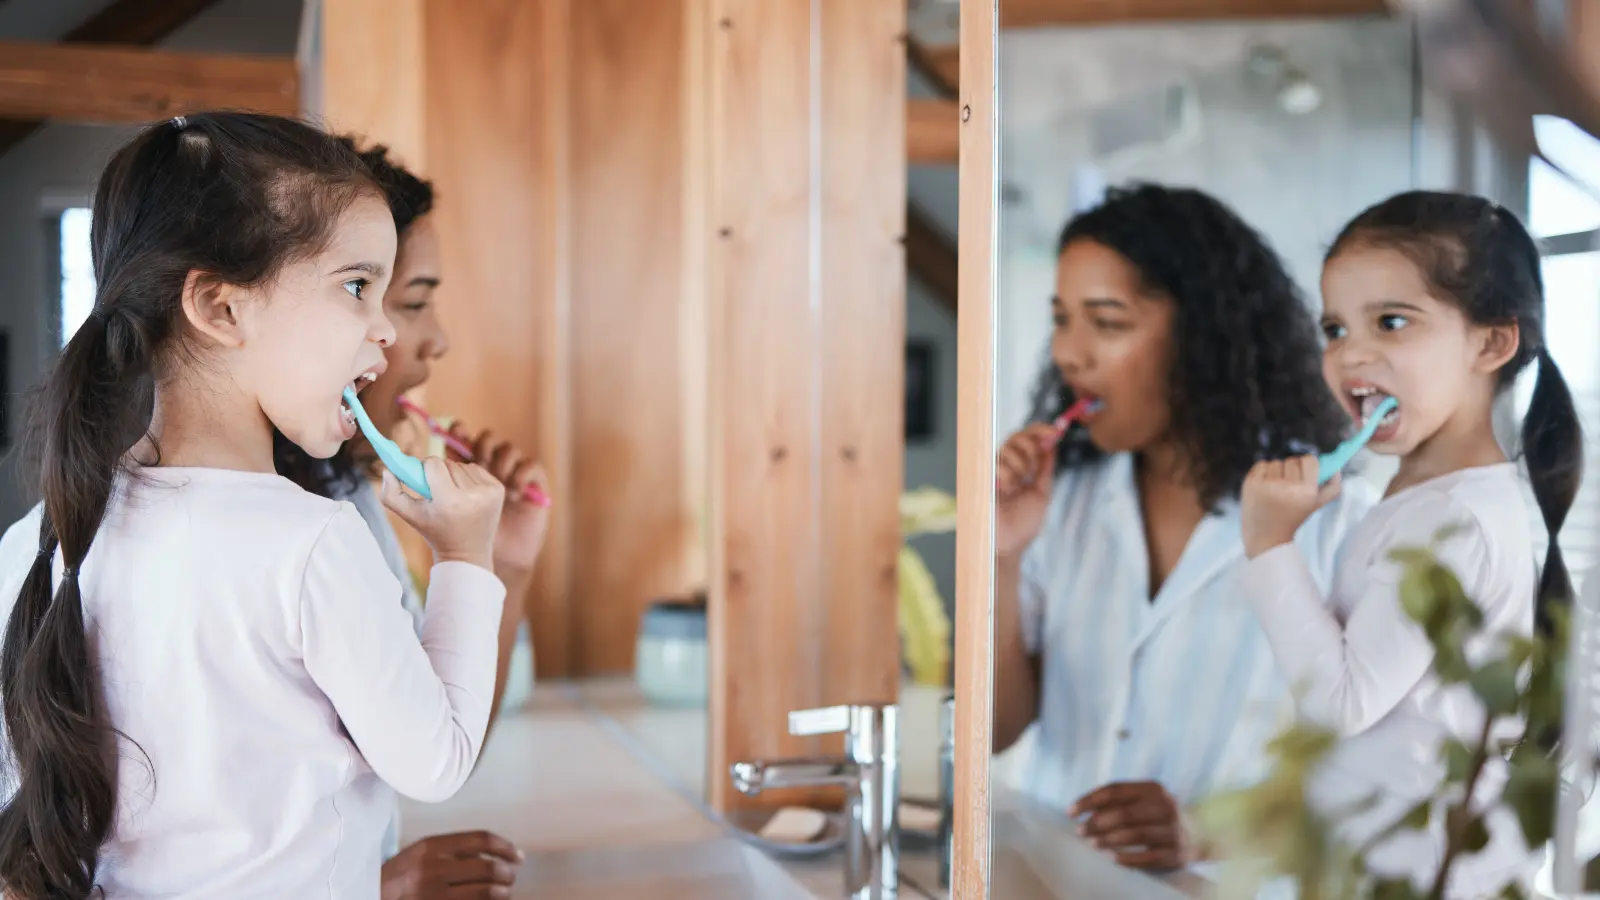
[(46, 554), (69, 574), (180, 122)]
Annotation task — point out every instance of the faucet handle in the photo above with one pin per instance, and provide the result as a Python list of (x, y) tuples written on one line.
[(826, 720)]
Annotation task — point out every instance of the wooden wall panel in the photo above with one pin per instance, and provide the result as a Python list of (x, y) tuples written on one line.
[(495, 146), (862, 228), (634, 348), (975, 329), (372, 73), (807, 331)]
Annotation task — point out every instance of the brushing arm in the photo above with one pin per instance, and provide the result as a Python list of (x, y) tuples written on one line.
[(417, 711), (1353, 673)]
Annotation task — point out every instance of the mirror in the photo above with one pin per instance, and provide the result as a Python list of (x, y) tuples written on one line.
[(1154, 181)]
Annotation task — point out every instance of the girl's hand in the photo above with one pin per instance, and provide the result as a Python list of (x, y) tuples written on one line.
[(461, 519), (1024, 476), (522, 524), (1278, 496)]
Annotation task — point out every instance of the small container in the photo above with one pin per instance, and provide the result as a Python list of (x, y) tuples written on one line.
[(670, 660), (947, 798)]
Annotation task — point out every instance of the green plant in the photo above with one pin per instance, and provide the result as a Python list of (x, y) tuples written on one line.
[(1272, 825), (924, 627)]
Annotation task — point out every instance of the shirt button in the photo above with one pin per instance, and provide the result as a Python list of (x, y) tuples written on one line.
[(1124, 734)]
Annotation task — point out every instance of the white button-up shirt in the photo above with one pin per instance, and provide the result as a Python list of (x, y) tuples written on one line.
[(1181, 689)]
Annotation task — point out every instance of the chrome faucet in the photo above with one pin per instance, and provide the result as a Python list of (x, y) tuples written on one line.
[(869, 768)]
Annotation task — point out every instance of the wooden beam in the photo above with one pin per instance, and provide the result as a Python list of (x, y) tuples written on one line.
[(102, 84), (135, 22), (931, 257), (933, 132), (1583, 24), (975, 332), (938, 66), (1044, 13)]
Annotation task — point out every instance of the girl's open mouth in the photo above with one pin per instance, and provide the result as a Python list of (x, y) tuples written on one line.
[(1366, 400), (347, 417)]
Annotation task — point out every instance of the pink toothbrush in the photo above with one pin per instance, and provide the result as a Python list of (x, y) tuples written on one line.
[(1074, 412), (531, 493)]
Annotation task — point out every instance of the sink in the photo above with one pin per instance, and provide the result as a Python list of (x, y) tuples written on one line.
[(717, 869)]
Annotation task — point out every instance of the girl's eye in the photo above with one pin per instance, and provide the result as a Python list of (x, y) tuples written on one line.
[(1392, 322), (355, 286), (414, 307), (1109, 325), (1059, 319), (1332, 330)]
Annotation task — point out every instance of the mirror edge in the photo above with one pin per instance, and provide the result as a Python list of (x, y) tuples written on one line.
[(977, 240)]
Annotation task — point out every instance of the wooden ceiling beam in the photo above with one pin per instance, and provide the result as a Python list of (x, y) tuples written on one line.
[(133, 22), (931, 257), (137, 22), (933, 132), (1042, 13), (123, 85)]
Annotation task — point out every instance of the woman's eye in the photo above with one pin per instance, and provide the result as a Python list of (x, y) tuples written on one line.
[(1392, 322), (1110, 325), (355, 286), (1332, 330), (414, 307), (1059, 319)]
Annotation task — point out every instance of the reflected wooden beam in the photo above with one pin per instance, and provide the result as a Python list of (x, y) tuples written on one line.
[(931, 257), (938, 66), (104, 84), (1043, 13), (933, 132), (133, 22), (1584, 25)]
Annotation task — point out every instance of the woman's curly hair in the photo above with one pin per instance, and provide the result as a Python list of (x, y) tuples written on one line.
[(1246, 380)]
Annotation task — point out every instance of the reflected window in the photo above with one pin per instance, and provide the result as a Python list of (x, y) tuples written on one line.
[(1568, 216), (77, 271)]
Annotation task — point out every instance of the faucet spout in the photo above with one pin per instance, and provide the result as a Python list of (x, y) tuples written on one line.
[(751, 778), (869, 771)]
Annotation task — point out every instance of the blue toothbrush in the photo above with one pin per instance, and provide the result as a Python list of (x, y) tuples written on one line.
[(1334, 461), (405, 467)]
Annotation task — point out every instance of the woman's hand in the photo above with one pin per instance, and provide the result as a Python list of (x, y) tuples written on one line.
[(1138, 823), (473, 865), (1277, 498), (1024, 476), (522, 524)]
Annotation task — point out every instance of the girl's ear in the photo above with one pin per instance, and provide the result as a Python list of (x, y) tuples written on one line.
[(1499, 346), (210, 306)]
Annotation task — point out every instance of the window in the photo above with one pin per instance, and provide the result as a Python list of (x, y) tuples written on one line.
[(77, 270), (1566, 217)]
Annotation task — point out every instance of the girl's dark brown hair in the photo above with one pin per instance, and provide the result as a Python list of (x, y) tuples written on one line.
[(232, 197), (1477, 255)]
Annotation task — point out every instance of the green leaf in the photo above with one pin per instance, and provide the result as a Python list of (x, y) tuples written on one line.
[(1496, 685), (1475, 836), (1448, 532), (1395, 889), (1417, 818), (1512, 891), (1450, 664), (1417, 597), (1591, 875), (1531, 792), (1458, 761)]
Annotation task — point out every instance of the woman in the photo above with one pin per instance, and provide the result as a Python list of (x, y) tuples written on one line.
[(1118, 628), (473, 864)]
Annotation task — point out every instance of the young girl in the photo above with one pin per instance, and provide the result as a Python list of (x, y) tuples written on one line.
[(1435, 300), (207, 674)]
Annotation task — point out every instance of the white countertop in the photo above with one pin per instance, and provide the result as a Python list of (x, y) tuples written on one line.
[(603, 793)]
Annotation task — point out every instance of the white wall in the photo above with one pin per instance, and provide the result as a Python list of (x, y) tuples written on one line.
[(62, 159)]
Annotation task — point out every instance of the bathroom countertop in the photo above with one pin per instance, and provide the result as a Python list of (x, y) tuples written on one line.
[(602, 792)]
